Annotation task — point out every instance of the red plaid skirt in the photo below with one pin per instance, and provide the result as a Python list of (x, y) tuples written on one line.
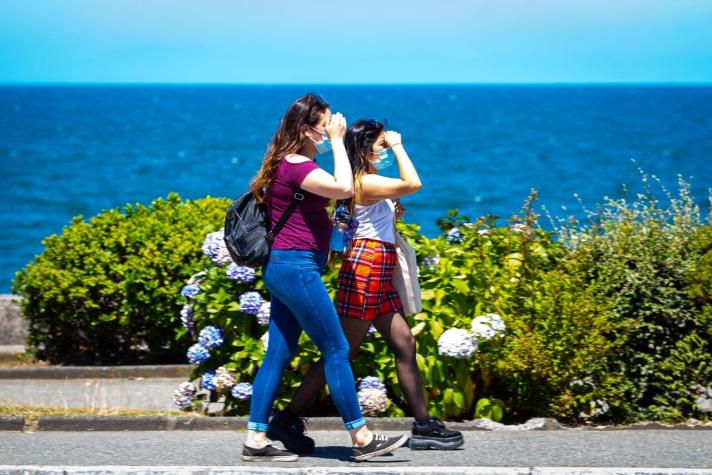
[(366, 280)]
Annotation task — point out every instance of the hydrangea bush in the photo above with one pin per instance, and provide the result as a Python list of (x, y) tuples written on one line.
[(514, 325), (224, 312)]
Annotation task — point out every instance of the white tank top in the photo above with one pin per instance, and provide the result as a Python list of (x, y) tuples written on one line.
[(375, 221)]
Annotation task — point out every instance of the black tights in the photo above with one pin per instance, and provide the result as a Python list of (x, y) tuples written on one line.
[(394, 328)]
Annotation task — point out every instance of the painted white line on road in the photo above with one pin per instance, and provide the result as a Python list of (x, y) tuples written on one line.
[(365, 468)]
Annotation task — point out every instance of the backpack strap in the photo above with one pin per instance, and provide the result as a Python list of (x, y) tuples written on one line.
[(272, 234)]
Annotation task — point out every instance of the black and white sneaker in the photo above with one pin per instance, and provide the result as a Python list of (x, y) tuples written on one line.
[(434, 435), (380, 445), (290, 430), (268, 453)]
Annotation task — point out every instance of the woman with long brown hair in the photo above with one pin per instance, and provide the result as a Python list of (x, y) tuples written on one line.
[(299, 299)]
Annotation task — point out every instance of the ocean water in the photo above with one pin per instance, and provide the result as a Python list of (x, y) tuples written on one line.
[(68, 150)]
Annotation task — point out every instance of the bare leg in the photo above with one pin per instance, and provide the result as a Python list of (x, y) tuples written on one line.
[(355, 330), (394, 328)]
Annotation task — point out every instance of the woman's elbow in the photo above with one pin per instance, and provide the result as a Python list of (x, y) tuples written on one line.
[(346, 192), (414, 187)]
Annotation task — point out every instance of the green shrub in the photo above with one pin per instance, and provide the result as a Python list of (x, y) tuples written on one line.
[(104, 291), (651, 264)]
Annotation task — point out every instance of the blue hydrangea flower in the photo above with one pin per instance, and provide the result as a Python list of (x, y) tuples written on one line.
[(198, 354), (454, 236), (187, 387), (264, 313), (242, 274), (223, 379), (372, 382), (431, 262), (208, 380), (183, 396), (488, 326), (186, 317), (183, 400), (372, 401), (251, 302), (190, 290), (214, 248), (210, 337), (242, 391)]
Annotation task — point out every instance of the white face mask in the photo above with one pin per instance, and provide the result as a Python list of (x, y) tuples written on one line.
[(323, 145), (385, 160)]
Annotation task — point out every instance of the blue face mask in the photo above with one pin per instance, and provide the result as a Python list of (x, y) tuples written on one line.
[(324, 145), (385, 160)]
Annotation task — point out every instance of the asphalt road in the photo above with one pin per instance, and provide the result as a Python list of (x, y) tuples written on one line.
[(570, 448)]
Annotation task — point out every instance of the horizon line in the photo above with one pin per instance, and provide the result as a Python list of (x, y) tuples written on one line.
[(339, 84)]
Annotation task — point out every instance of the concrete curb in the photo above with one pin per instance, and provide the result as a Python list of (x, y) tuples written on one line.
[(97, 372), (366, 468), (12, 423), (168, 423), (138, 423), (171, 423), (653, 426)]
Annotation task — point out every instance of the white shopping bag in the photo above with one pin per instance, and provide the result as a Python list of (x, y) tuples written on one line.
[(405, 277)]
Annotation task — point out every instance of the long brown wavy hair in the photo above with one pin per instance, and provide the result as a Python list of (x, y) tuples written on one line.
[(289, 138)]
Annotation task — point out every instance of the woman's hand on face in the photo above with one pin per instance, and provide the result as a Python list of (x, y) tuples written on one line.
[(392, 138), (336, 128)]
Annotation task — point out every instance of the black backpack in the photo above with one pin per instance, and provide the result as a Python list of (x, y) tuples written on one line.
[(247, 229)]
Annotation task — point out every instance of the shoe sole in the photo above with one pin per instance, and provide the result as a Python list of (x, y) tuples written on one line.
[(270, 458), (298, 449), (434, 444), (383, 451)]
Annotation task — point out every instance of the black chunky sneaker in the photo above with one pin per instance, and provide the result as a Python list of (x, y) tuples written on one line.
[(268, 453), (289, 429), (380, 445), (434, 435)]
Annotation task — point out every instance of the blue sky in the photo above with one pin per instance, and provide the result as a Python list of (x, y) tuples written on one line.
[(327, 41)]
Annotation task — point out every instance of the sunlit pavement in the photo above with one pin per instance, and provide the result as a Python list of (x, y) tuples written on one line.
[(567, 451)]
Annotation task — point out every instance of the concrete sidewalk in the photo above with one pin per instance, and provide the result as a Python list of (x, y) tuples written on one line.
[(138, 393), (573, 451)]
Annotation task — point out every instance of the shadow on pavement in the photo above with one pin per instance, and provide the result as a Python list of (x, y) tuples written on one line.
[(343, 454)]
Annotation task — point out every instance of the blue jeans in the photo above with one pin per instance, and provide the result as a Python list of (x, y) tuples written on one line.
[(300, 302)]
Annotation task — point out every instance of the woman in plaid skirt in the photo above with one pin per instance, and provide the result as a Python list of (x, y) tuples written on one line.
[(365, 295)]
